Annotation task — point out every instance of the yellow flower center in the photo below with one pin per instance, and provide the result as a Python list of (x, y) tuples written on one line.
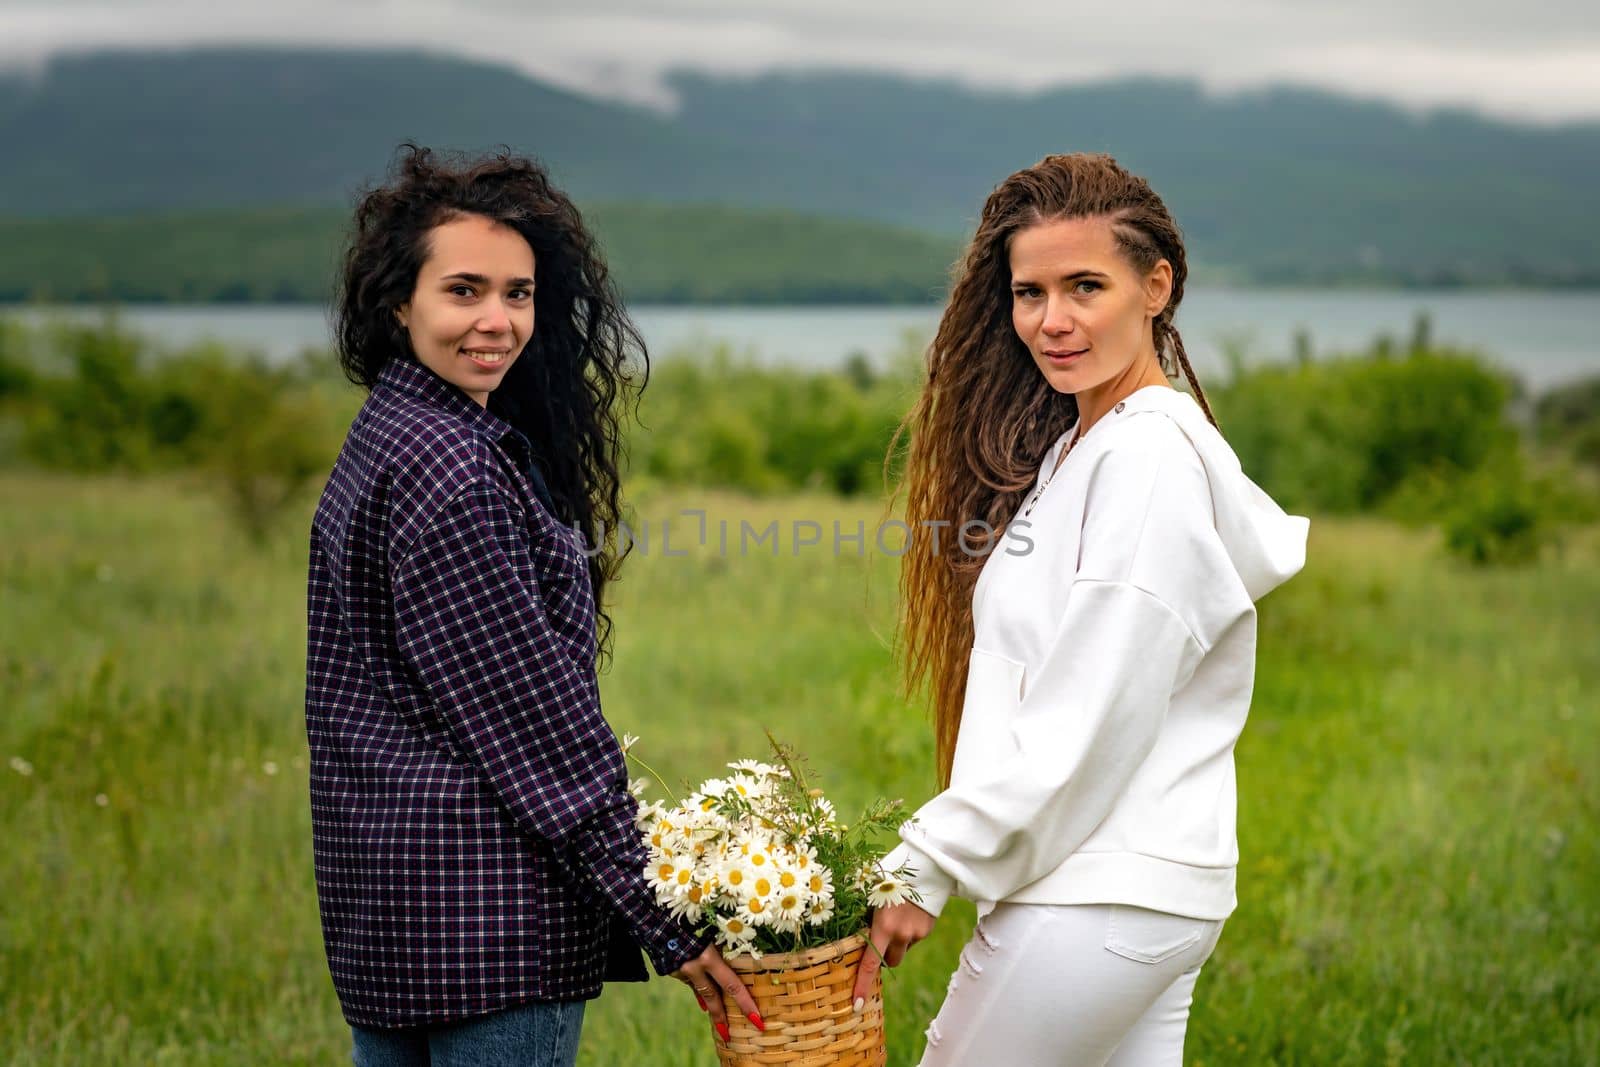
[(763, 887)]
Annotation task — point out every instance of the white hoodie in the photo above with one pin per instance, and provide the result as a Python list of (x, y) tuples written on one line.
[(1111, 672)]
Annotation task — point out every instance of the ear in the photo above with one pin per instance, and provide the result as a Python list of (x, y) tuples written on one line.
[(402, 313), (1158, 288)]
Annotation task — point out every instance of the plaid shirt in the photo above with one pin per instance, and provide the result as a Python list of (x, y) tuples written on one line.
[(474, 836)]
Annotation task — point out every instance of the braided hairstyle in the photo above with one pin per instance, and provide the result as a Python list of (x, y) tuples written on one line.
[(986, 415)]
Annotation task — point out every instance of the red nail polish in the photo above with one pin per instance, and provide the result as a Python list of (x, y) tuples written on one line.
[(755, 1020), (722, 1028), (702, 1004)]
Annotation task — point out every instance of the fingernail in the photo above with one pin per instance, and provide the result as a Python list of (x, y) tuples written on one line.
[(755, 1020), (702, 1004), (861, 1004), (722, 1028)]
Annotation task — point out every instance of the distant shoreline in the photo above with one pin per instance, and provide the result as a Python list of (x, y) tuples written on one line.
[(812, 299)]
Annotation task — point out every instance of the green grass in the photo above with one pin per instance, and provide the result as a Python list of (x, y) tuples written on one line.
[(1418, 785)]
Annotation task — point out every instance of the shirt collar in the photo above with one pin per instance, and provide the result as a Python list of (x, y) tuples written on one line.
[(410, 378), (406, 376)]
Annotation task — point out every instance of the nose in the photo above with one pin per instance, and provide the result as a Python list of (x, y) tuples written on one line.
[(1058, 318), (494, 318)]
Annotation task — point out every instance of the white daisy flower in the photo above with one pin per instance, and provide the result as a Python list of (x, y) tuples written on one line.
[(755, 768), (757, 851), (735, 877), (820, 910), (887, 891), (749, 787), (734, 934), (804, 857), (714, 787), (819, 882), (628, 741), (756, 911), (789, 908), (666, 872)]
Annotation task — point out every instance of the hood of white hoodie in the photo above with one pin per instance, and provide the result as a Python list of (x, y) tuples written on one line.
[(1267, 545)]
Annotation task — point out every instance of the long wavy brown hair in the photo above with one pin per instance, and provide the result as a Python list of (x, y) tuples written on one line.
[(986, 415)]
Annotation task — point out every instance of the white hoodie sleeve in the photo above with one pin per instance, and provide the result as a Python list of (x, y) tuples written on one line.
[(1091, 714)]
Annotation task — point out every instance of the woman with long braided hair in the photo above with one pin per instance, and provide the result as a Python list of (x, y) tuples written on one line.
[(1078, 600)]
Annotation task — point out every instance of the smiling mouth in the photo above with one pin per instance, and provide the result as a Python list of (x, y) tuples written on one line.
[(1055, 355), (488, 359)]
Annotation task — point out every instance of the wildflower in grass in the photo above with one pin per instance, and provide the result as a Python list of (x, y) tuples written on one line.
[(21, 766)]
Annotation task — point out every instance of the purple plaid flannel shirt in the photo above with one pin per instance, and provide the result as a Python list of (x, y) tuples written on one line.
[(474, 836)]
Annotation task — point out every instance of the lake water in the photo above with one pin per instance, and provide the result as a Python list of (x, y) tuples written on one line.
[(1544, 337)]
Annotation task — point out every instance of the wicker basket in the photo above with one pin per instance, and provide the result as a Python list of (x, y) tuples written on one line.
[(805, 1000)]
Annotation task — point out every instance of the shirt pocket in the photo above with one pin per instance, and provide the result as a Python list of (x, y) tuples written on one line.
[(985, 739)]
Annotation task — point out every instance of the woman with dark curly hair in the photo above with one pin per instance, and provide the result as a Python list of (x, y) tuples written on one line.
[(1091, 658), (478, 869)]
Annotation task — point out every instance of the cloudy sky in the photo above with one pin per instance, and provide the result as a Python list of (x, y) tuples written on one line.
[(1536, 60)]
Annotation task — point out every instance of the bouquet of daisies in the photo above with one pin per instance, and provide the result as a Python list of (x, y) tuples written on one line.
[(761, 856)]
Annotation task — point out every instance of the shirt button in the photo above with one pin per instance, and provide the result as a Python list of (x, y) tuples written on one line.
[(1121, 404), (672, 945)]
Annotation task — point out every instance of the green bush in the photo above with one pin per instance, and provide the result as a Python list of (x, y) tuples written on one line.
[(105, 399), (1423, 437), (723, 420), (1568, 417), (1346, 434)]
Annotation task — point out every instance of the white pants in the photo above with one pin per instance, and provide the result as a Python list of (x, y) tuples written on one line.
[(1079, 985)]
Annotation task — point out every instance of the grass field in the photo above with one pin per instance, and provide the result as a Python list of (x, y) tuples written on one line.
[(1420, 785)]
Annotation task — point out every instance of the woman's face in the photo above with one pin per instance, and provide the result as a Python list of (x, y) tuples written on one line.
[(1079, 305), (472, 310)]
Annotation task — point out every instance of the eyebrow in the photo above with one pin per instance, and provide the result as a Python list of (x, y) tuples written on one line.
[(1074, 276), (479, 279)]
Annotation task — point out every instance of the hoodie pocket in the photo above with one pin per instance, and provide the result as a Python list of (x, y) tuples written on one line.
[(985, 740)]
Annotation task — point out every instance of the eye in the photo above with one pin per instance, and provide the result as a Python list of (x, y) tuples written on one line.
[(461, 289), (1092, 286), (1025, 292), (522, 294)]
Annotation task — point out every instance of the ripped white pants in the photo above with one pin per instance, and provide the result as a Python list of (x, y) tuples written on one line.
[(1072, 985)]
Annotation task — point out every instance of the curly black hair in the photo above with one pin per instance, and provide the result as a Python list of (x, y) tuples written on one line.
[(582, 370)]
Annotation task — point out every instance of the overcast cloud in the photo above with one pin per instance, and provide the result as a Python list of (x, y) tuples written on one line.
[(1537, 61)]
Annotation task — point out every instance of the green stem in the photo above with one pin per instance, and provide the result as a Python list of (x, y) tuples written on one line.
[(654, 775)]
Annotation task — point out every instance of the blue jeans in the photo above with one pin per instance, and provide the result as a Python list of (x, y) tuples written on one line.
[(530, 1035)]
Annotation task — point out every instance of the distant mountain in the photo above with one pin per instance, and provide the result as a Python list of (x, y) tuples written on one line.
[(1272, 186)]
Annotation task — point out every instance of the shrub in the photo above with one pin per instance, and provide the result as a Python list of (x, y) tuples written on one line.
[(1344, 435)]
